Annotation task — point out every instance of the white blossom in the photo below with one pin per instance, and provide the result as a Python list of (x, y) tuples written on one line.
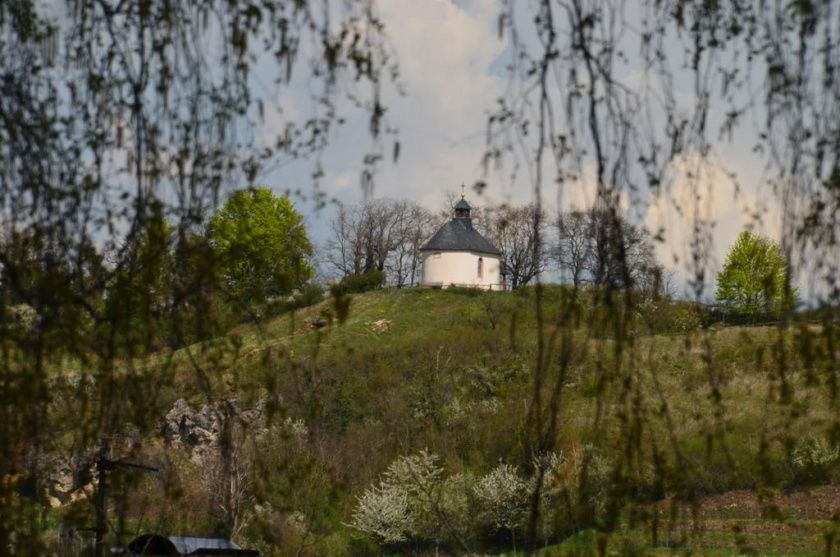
[(503, 497), (382, 512), (405, 502)]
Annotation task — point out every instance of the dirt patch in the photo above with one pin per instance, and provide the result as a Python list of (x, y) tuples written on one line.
[(380, 326), (819, 503), (742, 522)]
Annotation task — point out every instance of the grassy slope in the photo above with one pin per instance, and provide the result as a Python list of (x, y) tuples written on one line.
[(439, 375)]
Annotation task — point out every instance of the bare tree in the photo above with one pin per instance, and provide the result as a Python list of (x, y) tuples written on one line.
[(574, 244), (382, 235), (515, 230), (415, 225), (379, 234), (362, 237), (340, 248), (622, 253), (225, 474), (601, 247)]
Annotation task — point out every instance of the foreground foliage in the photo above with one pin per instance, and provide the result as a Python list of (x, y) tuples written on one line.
[(121, 116), (398, 429)]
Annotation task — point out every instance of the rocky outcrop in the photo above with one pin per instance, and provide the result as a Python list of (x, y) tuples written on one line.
[(70, 479), (185, 428), (198, 432)]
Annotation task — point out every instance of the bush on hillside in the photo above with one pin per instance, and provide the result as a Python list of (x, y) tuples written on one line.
[(497, 305), (575, 491), (457, 504), (671, 316), (414, 503), (382, 513), (354, 284), (471, 291), (502, 497), (719, 315), (308, 295), (813, 459), (403, 505)]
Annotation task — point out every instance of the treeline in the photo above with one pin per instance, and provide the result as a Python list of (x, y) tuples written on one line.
[(596, 246)]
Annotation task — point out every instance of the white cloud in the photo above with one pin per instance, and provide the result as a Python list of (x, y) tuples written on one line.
[(445, 52)]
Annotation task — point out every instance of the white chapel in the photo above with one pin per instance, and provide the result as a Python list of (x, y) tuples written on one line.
[(458, 255)]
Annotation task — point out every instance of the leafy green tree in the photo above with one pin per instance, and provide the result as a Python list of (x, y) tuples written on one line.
[(262, 246), (754, 276)]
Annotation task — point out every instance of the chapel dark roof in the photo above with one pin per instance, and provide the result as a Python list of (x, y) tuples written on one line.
[(459, 235), (462, 205)]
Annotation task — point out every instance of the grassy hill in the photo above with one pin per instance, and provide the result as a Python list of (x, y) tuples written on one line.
[(653, 417)]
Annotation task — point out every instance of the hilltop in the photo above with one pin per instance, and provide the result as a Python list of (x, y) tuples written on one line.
[(323, 400)]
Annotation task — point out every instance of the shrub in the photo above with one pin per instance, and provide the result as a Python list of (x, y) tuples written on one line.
[(671, 316), (404, 504), (457, 503), (383, 513), (685, 317), (576, 490), (722, 315), (353, 284), (414, 503), (813, 459), (503, 499), (497, 305), (469, 291), (309, 295)]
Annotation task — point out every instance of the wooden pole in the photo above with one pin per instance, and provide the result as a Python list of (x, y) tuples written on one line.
[(101, 516)]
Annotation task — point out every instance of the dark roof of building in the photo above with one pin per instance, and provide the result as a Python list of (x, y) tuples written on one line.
[(152, 544), (462, 205), (459, 235)]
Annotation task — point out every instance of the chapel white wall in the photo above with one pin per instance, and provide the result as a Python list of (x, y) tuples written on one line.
[(460, 268)]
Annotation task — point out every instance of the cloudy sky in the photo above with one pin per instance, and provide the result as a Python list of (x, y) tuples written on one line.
[(447, 52), (450, 59)]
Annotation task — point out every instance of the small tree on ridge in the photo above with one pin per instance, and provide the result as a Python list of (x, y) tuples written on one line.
[(262, 246), (753, 279)]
